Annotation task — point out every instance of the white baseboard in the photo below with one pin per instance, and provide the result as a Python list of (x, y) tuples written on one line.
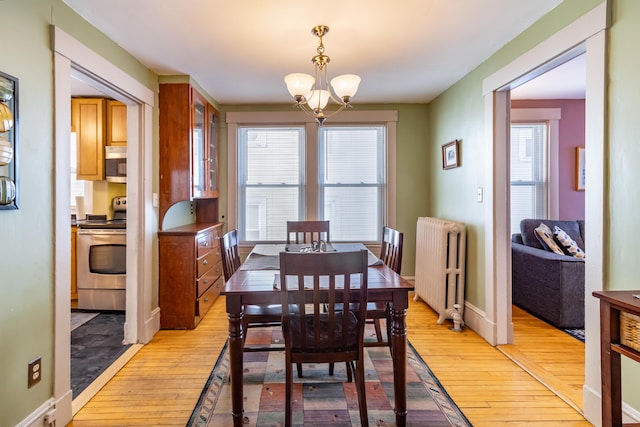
[(151, 326), (50, 414)]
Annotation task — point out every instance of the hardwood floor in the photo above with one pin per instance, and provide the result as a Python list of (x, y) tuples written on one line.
[(162, 383)]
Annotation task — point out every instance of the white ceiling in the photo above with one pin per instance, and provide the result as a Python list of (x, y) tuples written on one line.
[(239, 51)]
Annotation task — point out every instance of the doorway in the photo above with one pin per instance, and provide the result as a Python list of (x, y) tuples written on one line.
[(585, 35), (71, 58)]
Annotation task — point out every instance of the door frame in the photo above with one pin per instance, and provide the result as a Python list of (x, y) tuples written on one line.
[(72, 58), (585, 35)]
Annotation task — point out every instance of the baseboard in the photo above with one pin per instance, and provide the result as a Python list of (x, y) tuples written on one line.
[(476, 320), (593, 411), (151, 326), (44, 415)]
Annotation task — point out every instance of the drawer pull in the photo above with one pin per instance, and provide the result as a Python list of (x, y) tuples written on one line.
[(205, 262), (206, 299), (205, 281)]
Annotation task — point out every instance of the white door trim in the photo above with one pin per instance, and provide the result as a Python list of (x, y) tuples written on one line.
[(72, 57)]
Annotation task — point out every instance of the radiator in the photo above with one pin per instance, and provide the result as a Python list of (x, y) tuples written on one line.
[(440, 267)]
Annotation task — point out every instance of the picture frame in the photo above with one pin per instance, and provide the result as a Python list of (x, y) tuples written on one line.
[(9, 190), (580, 169), (450, 155)]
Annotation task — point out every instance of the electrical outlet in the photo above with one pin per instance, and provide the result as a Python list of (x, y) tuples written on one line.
[(35, 372)]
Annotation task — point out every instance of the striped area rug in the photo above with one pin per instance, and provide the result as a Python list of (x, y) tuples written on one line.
[(320, 399)]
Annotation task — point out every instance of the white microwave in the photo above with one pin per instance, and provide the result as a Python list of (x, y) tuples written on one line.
[(115, 163)]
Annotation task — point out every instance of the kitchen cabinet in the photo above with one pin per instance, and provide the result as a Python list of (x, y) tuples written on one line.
[(188, 151), (96, 122), (190, 274), (116, 123), (87, 121)]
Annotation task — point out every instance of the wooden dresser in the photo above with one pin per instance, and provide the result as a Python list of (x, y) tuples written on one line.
[(190, 274)]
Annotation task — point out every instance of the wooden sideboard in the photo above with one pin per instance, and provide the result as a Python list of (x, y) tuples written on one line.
[(190, 274), (612, 304)]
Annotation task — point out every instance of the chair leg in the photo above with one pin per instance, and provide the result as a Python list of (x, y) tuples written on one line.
[(299, 367), (288, 393), (376, 325), (362, 400)]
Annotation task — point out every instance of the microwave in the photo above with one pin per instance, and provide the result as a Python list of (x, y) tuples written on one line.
[(115, 163)]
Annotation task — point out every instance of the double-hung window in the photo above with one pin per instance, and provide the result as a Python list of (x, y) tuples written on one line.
[(300, 171), (351, 178)]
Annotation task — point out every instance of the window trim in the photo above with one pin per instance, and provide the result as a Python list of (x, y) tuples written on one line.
[(388, 118)]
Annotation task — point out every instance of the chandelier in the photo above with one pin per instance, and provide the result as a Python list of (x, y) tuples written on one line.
[(312, 93)]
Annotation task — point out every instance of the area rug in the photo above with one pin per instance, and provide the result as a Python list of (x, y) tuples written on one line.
[(95, 345), (322, 400), (577, 333)]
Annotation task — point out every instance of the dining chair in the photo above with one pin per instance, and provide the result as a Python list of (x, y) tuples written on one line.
[(315, 287), (307, 231), (254, 316), (391, 255)]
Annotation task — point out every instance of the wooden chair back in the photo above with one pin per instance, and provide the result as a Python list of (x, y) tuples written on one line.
[(391, 249), (307, 231), (320, 285), (230, 253)]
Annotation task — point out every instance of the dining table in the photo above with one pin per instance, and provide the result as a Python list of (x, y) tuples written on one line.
[(253, 284)]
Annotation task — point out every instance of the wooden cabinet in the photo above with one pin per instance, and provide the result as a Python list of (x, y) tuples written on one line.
[(116, 123), (613, 304), (188, 151), (96, 122), (190, 274), (87, 121)]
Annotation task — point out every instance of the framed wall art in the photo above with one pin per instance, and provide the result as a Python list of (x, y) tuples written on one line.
[(450, 155), (580, 169), (8, 142)]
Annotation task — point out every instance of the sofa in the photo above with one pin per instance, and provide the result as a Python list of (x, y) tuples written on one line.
[(548, 285)]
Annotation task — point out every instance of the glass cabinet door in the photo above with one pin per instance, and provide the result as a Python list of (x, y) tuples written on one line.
[(198, 147), (212, 174)]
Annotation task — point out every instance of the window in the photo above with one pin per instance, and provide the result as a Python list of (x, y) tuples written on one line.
[(340, 172), (528, 172), (352, 181), (270, 181)]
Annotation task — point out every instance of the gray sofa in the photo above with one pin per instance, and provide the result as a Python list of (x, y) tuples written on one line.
[(548, 285)]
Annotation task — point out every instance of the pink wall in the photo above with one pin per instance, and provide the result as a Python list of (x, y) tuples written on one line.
[(571, 136)]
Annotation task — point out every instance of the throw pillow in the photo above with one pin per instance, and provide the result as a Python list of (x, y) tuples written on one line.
[(545, 235), (567, 242)]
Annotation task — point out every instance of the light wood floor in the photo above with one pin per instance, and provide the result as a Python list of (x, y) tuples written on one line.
[(162, 383)]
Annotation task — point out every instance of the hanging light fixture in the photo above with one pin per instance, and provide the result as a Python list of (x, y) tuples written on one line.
[(312, 94)]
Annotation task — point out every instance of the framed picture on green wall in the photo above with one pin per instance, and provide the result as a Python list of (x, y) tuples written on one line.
[(8, 142), (450, 155)]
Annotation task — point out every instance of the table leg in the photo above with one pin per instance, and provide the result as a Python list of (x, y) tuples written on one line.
[(399, 351), (236, 361)]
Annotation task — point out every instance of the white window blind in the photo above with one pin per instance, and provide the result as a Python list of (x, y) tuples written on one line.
[(529, 179), (352, 181), (270, 181)]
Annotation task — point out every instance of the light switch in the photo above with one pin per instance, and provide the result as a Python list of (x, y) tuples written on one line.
[(154, 200), (480, 195)]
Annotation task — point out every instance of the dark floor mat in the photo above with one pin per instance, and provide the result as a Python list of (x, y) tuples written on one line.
[(94, 347)]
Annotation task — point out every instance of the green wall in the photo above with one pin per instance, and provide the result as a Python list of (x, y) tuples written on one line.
[(26, 235), (622, 224)]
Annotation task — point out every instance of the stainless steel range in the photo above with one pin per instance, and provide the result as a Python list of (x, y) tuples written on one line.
[(102, 259)]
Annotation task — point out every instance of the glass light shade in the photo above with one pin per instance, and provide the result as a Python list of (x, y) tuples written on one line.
[(318, 99), (345, 85), (299, 84)]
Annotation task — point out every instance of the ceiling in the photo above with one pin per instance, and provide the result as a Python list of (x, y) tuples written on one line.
[(239, 51)]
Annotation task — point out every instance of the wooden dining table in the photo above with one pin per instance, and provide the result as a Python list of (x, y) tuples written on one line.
[(253, 284)]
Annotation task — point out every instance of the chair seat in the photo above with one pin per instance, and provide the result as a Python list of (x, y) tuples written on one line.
[(312, 332)]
